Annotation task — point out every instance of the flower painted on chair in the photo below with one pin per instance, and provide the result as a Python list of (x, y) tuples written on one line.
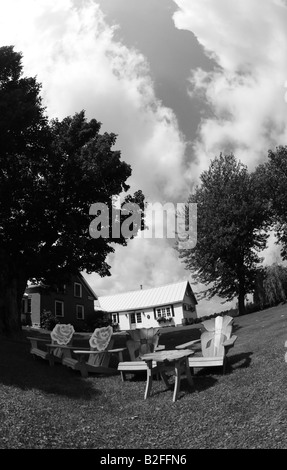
[(62, 334), (101, 338)]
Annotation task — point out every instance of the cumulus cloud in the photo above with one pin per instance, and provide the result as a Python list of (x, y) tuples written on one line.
[(245, 94), (245, 91), (73, 52), (72, 49)]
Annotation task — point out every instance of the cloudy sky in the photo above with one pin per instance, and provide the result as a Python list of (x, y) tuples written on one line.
[(179, 81)]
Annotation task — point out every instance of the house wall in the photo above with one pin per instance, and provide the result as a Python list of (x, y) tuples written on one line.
[(35, 307), (149, 320), (183, 312), (188, 308), (70, 303), (44, 299), (147, 317)]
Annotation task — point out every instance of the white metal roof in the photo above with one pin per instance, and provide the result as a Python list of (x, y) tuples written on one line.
[(144, 298)]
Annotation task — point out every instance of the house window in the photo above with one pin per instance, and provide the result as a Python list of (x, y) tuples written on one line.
[(115, 317), (188, 307), (80, 312), (26, 306), (164, 312), (61, 289), (59, 308), (77, 289), (139, 317), (136, 317)]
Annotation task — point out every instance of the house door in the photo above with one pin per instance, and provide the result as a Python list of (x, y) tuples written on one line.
[(133, 322), (136, 320)]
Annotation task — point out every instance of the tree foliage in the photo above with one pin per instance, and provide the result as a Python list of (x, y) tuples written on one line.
[(50, 175), (231, 230), (271, 286), (272, 180)]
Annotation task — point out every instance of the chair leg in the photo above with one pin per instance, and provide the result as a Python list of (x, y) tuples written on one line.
[(177, 369), (123, 376), (83, 369), (224, 365), (148, 382), (51, 360), (188, 374)]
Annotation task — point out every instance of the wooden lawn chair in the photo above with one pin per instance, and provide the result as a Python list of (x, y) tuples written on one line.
[(96, 358), (61, 336), (216, 341), (142, 341)]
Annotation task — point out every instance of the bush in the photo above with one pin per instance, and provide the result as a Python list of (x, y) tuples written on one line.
[(48, 320), (98, 319)]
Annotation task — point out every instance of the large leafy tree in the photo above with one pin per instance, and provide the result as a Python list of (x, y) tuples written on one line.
[(51, 173), (231, 230)]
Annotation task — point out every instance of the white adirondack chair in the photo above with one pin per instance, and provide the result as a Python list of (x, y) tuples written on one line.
[(216, 340), (61, 336), (96, 358), (142, 341)]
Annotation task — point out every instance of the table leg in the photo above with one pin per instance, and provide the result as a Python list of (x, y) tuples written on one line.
[(51, 357), (177, 370), (83, 367), (148, 380)]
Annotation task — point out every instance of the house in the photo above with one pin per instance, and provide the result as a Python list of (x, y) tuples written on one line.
[(172, 304), (70, 303)]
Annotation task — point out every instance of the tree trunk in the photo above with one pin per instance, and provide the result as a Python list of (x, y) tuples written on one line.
[(241, 301), (11, 294)]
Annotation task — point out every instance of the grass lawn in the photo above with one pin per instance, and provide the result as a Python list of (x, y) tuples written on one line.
[(44, 407)]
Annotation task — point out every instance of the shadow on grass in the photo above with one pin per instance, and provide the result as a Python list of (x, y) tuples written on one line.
[(19, 369), (206, 375), (201, 385), (235, 327), (160, 388), (239, 361), (236, 361)]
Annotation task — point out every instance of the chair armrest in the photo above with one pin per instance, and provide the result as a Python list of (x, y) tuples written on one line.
[(188, 344), (42, 340), (56, 346), (90, 351), (229, 342), (115, 350)]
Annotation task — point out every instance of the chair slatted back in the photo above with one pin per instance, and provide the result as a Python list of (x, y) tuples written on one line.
[(217, 330), (143, 341), (62, 334), (101, 340)]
